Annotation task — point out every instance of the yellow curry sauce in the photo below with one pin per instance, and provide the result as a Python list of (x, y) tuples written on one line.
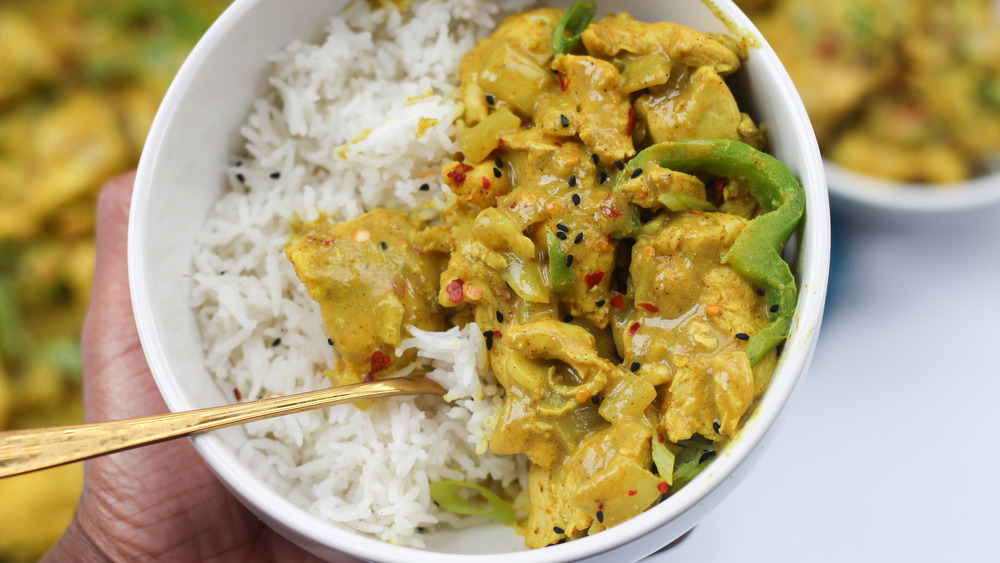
[(606, 344)]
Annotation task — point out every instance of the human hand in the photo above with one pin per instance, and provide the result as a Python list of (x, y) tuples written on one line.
[(158, 502)]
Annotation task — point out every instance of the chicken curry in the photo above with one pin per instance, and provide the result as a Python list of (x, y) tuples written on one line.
[(614, 233)]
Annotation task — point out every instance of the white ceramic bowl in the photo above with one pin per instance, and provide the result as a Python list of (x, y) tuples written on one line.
[(181, 175), (869, 195)]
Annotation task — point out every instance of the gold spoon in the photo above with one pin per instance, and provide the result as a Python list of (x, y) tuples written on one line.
[(23, 451)]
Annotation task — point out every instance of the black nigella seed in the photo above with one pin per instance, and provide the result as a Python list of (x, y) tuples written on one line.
[(558, 530), (561, 235), (637, 173), (562, 227), (578, 239), (569, 260), (572, 181), (715, 425), (604, 177), (329, 341), (760, 292), (497, 173), (635, 366), (275, 175), (487, 334), (222, 273), (384, 245), (425, 187), (564, 120), (619, 165), (742, 336), (595, 399), (498, 162), (499, 317), (600, 303), (568, 319), (576, 199), (489, 342), (600, 516), (595, 159), (241, 178), (276, 342), (774, 308), (490, 99)]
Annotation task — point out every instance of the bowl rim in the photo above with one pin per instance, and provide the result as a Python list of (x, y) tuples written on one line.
[(288, 518), (862, 190)]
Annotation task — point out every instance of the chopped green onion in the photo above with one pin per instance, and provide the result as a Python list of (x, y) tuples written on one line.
[(560, 274), (664, 459), (575, 21), (447, 495)]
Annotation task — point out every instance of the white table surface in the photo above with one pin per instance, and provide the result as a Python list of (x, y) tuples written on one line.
[(889, 450)]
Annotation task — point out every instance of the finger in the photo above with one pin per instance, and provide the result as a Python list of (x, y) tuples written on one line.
[(110, 342)]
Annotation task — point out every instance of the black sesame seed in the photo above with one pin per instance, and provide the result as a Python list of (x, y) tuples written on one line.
[(497, 173), (568, 319), (594, 158), (239, 163), (421, 529), (562, 227), (600, 516), (425, 187), (489, 342), (490, 99), (499, 317), (595, 399), (558, 530), (619, 165), (561, 540), (635, 366), (569, 260), (604, 177), (384, 245), (715, 425), (275, 175), (600, 303), (498, 162), (774, 308), (564, 120), (637, 173), (276, 342), (742, 336), (576, 199), (241, 178), (329, 341), (561, 235), (487, 334), (572, 181), (579, 238), (222, 273)]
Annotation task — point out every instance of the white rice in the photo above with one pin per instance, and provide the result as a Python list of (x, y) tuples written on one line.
[(378, 77)]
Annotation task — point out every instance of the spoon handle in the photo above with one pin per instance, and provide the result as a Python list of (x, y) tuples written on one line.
[(23, 451)]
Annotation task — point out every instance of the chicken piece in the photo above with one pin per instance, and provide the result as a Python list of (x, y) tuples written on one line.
[(692, 105), (708, 395), (370, 283), (656, 181), (622, 36), (511, 65)]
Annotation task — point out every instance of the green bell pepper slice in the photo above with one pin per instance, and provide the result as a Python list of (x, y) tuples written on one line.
[(575, 21), (756, 252), (560, 275)]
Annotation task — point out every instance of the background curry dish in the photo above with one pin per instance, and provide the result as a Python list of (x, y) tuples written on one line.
[(79, 84)]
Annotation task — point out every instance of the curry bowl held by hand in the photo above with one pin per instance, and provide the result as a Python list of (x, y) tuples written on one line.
[(246, 188)]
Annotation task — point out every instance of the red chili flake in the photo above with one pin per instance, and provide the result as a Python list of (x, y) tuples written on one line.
[(663, 487), (661, 438), (631, 122), (379, 361), (237, 394), (322, 240), (558, 144), (633, 329), (717, 191), (486, 183), (618, 301), (497, 334), (457, 174), (455, 291), (633, 492), (594, 278), (563, 81), (500, 143), (600, 505), (648, 306), (608, 208)]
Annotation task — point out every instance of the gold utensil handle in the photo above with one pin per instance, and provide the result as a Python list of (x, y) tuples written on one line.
[(22, 451)]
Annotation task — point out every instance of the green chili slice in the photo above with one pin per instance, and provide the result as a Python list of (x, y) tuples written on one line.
[(574, 22), (446, 494), (756, 252), (560, 275)]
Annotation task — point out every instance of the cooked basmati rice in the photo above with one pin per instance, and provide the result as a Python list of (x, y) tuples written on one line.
[(345, 130)]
